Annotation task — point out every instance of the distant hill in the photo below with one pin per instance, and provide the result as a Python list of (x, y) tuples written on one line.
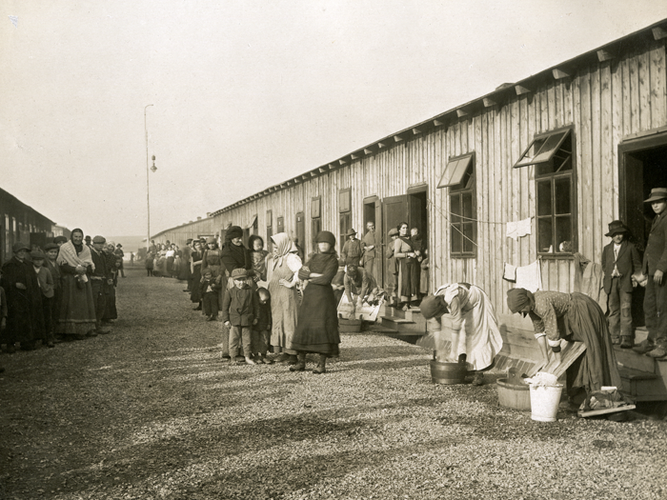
[(130, 243)]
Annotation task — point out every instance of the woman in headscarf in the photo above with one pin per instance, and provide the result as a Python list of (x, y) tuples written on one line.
[(470, 310), (77, 307), (574, 317), (317, 325), (406, 259), (282, 268)]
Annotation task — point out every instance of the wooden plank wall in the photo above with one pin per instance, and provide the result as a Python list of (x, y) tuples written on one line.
[(603, 103)]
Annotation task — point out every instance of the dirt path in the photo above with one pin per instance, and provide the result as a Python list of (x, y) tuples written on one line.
[(150, 411)]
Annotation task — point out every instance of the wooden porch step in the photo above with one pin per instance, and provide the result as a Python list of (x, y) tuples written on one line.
[(401, 325), (631, 374)]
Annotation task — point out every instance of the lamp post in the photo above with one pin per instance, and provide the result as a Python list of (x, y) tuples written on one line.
[(148, 169)]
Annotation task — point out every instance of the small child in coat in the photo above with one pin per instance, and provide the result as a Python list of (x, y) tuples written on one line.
[(45, 280), (620, 261), (239, 314), (261, 337), (209, 291)]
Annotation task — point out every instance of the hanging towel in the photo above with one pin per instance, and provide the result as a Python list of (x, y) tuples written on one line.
[(509, 272), (529, 277), (517, 229)]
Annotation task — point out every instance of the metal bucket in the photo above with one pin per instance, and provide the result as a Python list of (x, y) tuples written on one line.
[(447, 373)]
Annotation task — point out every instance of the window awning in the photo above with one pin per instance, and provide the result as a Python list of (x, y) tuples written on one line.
[(542, 149), (454, 171), (252, 223)]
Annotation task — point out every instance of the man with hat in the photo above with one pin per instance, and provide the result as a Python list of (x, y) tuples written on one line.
[(654, 267), (239, 312), (25, 321), (101, 273), (352, 249), (620, 261)]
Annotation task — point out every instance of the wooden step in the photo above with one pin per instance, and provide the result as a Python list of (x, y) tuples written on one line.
[(403, 325), (627, 358)]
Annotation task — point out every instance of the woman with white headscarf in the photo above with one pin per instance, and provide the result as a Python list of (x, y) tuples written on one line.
[(77, 308), (282, 274)]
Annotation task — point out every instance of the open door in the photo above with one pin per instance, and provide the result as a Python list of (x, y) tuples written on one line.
[(373, 213), (643, 166), (395, 211)]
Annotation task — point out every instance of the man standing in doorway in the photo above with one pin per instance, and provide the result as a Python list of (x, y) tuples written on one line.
[(372, 249), (655, 268)]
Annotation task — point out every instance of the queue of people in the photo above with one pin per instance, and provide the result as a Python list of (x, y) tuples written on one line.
[(64, 291)]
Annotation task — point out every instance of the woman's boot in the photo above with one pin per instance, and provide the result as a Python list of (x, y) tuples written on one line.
[(321, 365), (300, 363)]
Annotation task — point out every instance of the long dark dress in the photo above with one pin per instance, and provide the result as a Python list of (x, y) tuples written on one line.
[(317, 325), (195, 292), (577, 317), (25, 320)]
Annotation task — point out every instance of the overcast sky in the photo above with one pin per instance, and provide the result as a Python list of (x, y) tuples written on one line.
[(247, 93)]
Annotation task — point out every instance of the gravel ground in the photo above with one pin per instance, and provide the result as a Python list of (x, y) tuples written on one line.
[(151, 412)]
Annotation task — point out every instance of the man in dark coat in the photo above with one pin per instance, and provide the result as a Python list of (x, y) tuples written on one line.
[(620, 260), (654, 267), (25, 322)]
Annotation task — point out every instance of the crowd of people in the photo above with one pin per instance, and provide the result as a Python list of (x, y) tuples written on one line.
[(64, 291)]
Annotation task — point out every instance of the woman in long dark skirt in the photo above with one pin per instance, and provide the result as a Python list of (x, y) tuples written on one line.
[(317, 324), (195, 263), (575, 317)]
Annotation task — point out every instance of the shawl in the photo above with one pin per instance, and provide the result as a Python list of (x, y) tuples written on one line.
[(282, 246), (407, 240), (68, 255)]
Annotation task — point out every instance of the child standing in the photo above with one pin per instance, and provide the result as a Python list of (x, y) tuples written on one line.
[(352, 249), (149, 263), (45, 280), (262, 331), (239, 314), (210, 288), (620, 260)]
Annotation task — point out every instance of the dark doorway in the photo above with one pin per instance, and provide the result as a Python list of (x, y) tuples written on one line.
[(300, 229), (643, 167), (373, 213), (411, 208)]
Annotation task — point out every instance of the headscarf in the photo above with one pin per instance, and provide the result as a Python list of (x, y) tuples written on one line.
[(282, 246), (519, 298), (230, 251), (433, 306)]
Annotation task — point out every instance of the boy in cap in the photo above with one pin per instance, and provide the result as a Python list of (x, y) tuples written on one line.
[(620, 261), (239, 314), (50, 263), (352, 249), (45, 281), (654, 267)]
